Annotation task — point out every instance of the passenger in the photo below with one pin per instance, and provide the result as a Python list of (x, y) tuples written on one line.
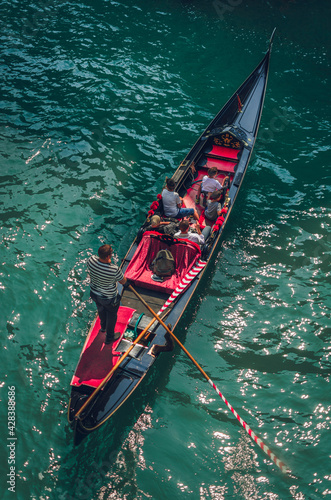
[(214, 206), (198, 237), (208, 185), (157, 225), (225, 186), (172, 203), (226, 182), (103, 290)]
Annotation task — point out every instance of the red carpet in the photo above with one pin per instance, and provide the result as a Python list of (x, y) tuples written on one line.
[(97, 359)]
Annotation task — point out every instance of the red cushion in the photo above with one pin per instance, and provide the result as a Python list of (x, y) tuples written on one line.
[(222, 165), (185, 254), (224, 152)]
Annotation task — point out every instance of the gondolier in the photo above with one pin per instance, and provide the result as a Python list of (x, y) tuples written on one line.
[(103, 289)]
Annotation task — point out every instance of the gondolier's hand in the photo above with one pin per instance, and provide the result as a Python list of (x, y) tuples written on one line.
[(127, 283)]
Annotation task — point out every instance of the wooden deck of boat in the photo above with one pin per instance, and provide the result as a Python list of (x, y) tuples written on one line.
[(154, 299)]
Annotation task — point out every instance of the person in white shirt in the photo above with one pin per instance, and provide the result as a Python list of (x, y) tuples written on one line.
[(172, 203), (208, 185), (198, 237)]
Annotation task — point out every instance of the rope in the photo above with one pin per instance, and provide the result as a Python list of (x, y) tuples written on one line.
[(135, 331)]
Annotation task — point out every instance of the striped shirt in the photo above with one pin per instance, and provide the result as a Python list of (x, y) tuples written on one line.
[(103, 277)]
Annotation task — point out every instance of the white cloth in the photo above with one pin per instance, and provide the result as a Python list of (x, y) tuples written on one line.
[(195, 237), (171, 200), (209, 184)]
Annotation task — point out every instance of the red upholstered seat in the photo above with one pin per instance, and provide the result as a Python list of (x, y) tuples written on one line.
[(224, 152), (185, 253), (222, 165)]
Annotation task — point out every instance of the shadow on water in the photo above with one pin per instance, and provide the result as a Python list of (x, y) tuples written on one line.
[(109, 454)]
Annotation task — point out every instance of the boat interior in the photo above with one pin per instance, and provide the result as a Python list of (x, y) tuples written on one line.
[(221, 151), (184, 252)]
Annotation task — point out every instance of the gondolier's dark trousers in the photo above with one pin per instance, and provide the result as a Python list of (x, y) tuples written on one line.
[(107, 310)]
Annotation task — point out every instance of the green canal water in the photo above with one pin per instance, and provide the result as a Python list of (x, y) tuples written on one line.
[(99, 102)]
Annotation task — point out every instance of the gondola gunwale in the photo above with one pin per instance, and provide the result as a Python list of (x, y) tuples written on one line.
[(180, 176)]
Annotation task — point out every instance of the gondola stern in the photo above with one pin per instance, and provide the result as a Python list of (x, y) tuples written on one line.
[(78, 435)]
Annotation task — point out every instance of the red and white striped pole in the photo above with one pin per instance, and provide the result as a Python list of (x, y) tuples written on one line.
[(257, 440), (196, 269)]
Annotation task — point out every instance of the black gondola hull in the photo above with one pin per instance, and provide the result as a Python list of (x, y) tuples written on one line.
[(237, 123)]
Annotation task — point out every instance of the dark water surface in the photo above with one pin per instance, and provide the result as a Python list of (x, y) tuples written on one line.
[(100, 101)]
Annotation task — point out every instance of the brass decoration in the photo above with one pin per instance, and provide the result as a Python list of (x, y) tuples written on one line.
[(227, 140)]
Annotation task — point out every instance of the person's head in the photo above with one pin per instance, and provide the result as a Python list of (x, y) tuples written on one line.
[(170, 184), (105, 252), (184, 226), (212, 172), (155, 221), (215, 196)]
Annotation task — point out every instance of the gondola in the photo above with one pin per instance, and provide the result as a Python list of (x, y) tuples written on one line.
[(97, 390)]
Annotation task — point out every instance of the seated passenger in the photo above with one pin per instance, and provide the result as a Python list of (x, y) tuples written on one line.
[(156, 225), (208, 185), (214, 206), (172, 203), (198, 237), (162, 227)]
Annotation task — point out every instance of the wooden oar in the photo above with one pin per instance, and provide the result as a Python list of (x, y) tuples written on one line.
[(257, 440), (107, 377)]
